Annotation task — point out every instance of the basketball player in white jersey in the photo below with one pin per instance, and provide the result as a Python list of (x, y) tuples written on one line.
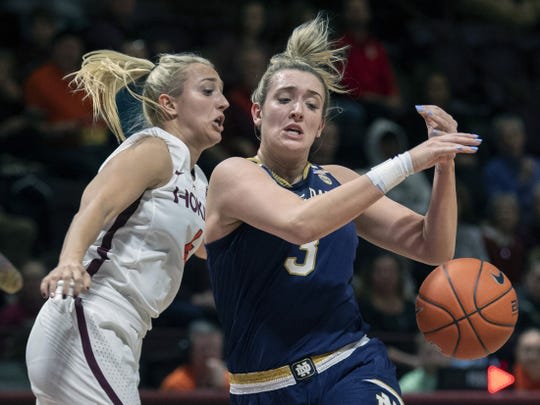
[(140, 219)]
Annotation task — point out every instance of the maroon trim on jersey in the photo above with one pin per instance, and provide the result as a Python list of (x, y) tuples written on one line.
[(89, 354), (106, 243)]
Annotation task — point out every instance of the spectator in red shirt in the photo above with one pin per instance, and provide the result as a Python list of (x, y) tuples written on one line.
[(72, 142), (369, 77), (369, 74)]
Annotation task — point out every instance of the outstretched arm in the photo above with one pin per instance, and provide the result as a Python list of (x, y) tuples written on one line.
[(440, 221), (242, 192)]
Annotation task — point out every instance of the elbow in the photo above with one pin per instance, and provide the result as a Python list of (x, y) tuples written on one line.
[(300, 232), (438, 247), (437, 261), (300, 237), (436, 258), (448, 252), (100, 210)]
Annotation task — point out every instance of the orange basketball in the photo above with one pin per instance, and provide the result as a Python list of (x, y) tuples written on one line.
[(467, 307)]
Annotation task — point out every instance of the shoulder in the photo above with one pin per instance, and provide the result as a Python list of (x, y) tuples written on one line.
[(237, 176), (152, 133), (154, 153), (233, 165), (147, 155), (137, 144), (234, 162), (341, 173), (149, 144)]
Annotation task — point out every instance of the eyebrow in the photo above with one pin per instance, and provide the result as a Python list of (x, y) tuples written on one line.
[(213, 80), (288, 88)]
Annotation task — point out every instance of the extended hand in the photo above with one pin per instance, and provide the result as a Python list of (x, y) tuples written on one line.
[(442, 148)]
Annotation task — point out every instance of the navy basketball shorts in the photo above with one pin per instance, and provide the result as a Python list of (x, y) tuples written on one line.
[(365, 377)]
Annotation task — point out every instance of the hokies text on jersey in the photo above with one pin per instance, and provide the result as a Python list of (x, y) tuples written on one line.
[(190, 201)]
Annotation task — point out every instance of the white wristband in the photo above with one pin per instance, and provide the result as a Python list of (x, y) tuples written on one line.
[(391, 172)]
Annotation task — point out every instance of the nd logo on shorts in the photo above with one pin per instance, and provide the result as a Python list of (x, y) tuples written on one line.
[(303, 369)]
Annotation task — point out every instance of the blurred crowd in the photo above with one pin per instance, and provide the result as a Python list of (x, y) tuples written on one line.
[(477, 59)]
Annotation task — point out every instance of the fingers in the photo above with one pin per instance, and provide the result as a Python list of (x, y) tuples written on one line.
[(64, 281), (459, 138), (458, 143), (81, 282), (443, 148), (44, 287), (437, 118), (467, 143)]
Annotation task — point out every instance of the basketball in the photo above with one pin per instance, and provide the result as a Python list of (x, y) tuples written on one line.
[(466, 307)]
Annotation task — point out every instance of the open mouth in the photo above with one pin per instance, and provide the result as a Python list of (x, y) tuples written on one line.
[(294, 130), (218, 123)]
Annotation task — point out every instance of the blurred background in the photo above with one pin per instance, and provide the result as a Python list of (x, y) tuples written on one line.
[(477, 59)]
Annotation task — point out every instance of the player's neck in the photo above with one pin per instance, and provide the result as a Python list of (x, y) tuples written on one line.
[(292, 172)]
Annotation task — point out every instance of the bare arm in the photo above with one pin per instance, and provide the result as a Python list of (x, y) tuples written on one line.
[(430, 238), (142, 166), (398, 229), (240, 191)]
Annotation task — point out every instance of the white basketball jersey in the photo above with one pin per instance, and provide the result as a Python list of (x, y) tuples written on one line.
[(138, 260)]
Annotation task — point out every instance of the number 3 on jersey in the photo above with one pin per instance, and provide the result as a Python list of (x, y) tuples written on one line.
[(308, 264)]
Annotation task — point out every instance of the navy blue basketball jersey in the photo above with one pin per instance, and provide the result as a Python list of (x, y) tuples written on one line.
[(278, 301)]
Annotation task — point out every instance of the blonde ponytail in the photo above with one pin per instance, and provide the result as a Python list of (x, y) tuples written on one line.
[(104, 73), (308, 49)]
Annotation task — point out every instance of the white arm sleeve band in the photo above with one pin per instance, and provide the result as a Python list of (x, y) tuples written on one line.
[(391, 172)]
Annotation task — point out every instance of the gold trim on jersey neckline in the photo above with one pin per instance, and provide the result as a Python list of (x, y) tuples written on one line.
[(281, 181)]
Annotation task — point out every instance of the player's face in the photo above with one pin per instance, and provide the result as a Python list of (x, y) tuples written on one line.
[(201, 105), (292, 115)]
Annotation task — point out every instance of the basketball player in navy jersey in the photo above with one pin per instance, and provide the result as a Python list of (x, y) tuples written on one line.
[(140, 220), (282, 235)]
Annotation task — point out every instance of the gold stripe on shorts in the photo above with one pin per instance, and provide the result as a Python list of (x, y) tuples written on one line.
[(261, 376)]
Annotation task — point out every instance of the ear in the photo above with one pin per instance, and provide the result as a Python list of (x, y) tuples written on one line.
[(256, 114), (321, 127), (167, 104)]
